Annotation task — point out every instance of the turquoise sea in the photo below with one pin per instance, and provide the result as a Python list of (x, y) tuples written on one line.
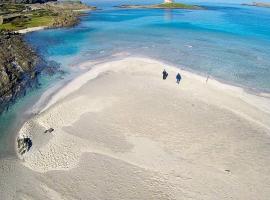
[(229, 42)]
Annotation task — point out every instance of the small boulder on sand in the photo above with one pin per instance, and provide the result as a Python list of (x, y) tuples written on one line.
[(24, 144), (49, 130)]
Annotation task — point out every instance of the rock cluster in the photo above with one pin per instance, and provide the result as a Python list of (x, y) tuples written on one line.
[(24, 145), (17, 67), (66, 19)]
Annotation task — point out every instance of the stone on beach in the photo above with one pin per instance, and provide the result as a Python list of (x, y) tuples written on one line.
[(50, 130), (24, 145)]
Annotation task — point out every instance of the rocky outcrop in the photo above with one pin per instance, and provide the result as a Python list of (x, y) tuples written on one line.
[(66, 19), (24, 144), (19, 68)]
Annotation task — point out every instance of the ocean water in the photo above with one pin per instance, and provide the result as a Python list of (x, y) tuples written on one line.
[(226, 41)]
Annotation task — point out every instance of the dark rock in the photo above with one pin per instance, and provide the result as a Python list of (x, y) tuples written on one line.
[(20, 67), (17, 62), (24, 145), (49, 130)]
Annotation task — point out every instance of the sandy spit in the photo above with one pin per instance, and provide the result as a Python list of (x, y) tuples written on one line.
[(121, 132)]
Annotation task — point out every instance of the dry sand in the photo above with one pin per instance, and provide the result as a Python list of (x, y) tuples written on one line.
[(27, 30), (121, 132)]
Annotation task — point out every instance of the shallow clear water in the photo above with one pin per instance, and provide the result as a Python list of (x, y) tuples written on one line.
[(231, 43), (228, 42), (10, 121)]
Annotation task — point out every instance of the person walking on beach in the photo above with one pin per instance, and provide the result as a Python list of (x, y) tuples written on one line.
[(165, 74), (178, 78)]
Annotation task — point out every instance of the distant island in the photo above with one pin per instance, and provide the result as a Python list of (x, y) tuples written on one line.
[(258, 4), (168, 4)]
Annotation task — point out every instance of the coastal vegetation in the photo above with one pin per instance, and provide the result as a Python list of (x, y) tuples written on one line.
[(164, 6), (178, 5), (15, 17)]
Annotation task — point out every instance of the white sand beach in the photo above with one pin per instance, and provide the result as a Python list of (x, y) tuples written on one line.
[(121, 132), (32, 29)]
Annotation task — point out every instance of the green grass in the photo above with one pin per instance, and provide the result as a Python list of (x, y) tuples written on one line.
[(31, 19), (32, 22), (40, 21), (40, 13), (46, 16), (8, 26)]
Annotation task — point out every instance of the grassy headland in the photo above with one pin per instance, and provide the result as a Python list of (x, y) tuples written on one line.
[(164, 6), (52, 14), (19, 63)]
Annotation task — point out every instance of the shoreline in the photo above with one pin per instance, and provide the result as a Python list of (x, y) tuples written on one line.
[(259, 100), (252, 91), (218, 83), (39, 28), (93, 72), (42, 101), (64, 88)]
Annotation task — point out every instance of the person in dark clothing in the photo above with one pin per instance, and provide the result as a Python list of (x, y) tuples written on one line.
[(165, 74), (178, 78)]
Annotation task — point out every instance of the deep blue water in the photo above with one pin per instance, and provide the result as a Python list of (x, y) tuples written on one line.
[(229, 42)]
